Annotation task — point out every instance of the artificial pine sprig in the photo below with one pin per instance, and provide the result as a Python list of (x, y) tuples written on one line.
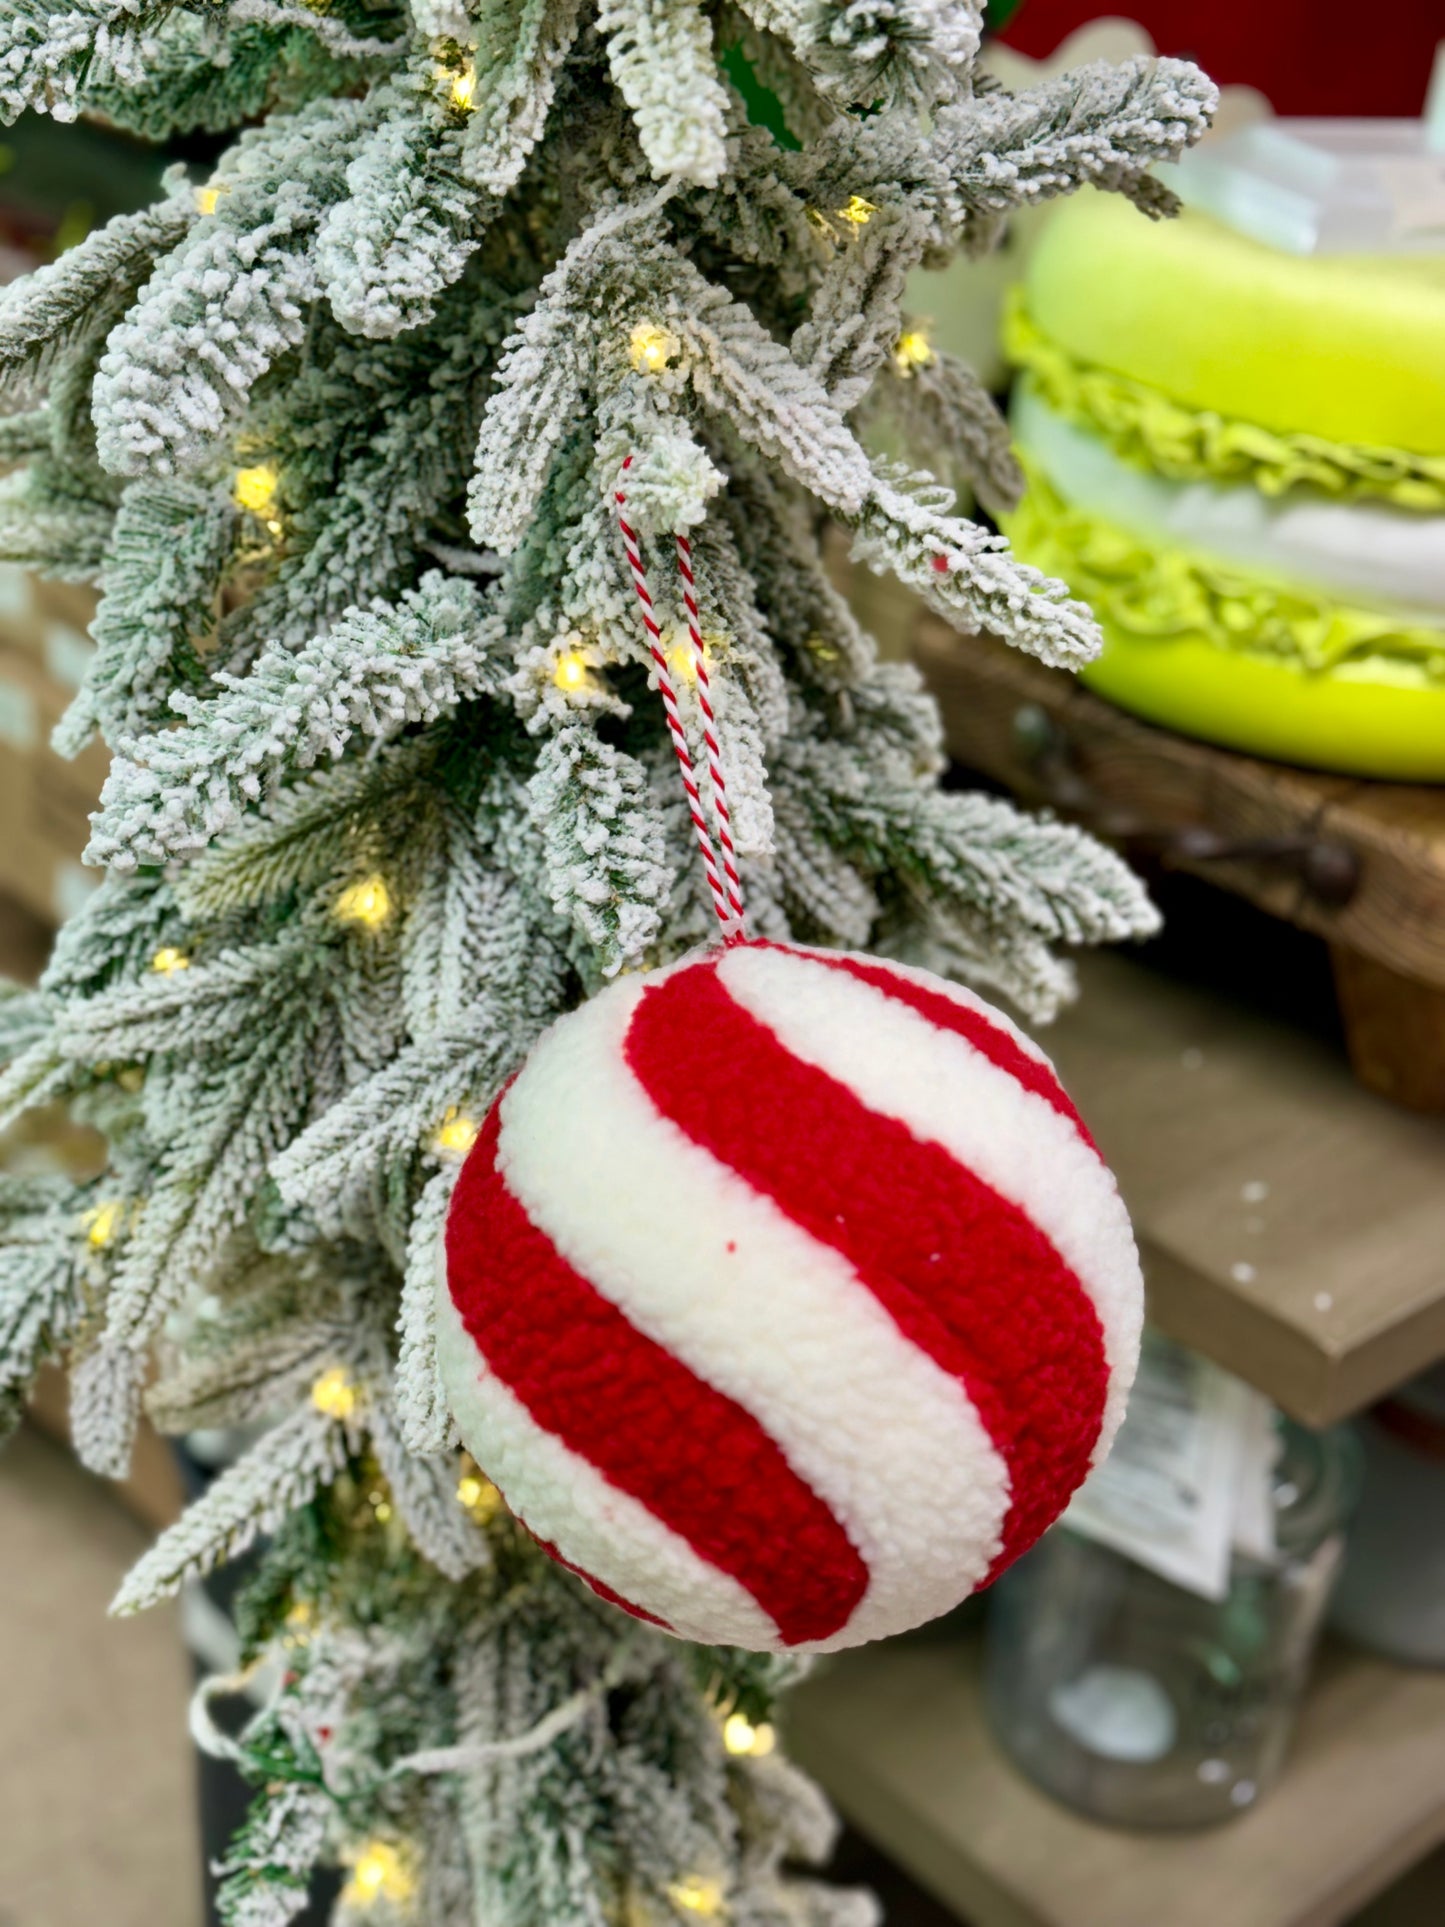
[(336, 432)]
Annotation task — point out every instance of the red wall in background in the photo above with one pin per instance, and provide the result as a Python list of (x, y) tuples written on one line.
[(1308, 56)]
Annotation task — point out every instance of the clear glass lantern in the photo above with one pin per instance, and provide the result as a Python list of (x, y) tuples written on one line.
[(1145, 1705)]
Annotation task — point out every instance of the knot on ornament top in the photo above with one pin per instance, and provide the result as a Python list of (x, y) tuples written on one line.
[(669, 483)]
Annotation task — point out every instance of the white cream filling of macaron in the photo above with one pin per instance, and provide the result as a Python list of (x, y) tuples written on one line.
[(1371, 552)]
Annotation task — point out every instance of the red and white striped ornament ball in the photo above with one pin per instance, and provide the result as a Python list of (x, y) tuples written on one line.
[(787, 1298)]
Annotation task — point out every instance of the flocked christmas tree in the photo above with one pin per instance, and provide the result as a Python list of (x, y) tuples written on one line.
[(337, 433)]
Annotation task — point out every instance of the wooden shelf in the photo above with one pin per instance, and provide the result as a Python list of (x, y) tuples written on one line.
[(896, 1736), (1328, 1290), (1147, 785)]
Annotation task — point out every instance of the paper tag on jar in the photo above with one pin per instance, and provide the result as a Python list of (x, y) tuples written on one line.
[(1254, 1498), (1189, 1473)]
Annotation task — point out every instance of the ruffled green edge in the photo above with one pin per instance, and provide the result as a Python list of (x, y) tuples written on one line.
[(1144, 426), (1156, 592)]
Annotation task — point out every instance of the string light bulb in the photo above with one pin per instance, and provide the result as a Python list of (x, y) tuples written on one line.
[(857, 212), (367, 903), (207, 199), (378, 1872), (103, 1222), (912, 351), (298, 1626), (478, 1496), (456, 1134), (572, 673), (463, 88), (682, 657), (168, 959), (695, 1895), (743, 1738), (333, 1394), (255, 488), (651, 347)]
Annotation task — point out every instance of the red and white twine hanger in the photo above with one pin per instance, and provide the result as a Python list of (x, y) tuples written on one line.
[(722, 877)]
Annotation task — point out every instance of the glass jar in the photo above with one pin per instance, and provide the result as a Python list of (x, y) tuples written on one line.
[(1392, 1591), (1145, 1705)]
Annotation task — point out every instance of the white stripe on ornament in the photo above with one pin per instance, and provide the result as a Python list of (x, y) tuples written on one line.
[(723, 1279), (567, 1502), (951, 992), (943, 1089)]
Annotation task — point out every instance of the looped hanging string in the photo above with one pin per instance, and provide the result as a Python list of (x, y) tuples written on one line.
[(709, 734), (469, 1754), (457, 1759), (209, 1737), (727, 898)]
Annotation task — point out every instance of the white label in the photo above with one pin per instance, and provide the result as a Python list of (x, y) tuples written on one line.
[(1254, 1497), (1188, 1477), (1118, 1712)]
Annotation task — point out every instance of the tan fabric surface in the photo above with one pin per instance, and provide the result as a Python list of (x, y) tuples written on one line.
[(97, 1799)]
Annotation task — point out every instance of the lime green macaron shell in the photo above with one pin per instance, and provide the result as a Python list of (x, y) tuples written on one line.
[(1362, 719), (1339, 346), (1218, 650)]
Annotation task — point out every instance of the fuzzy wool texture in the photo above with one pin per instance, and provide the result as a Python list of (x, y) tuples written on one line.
[(662, 1306)]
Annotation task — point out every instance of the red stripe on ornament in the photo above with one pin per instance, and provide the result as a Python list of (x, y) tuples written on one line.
[(990, 1040), (701, 1464), (963, 1273)]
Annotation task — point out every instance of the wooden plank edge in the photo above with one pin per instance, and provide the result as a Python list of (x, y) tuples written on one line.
[(1313, 1383), (1397, 916)]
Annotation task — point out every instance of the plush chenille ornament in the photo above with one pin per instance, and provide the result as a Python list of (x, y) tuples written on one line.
[(787, 1298)]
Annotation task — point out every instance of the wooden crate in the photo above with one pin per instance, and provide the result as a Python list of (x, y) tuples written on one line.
[(1358, 863)]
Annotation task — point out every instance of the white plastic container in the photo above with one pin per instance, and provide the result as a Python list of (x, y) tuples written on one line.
[(1323, 186)]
